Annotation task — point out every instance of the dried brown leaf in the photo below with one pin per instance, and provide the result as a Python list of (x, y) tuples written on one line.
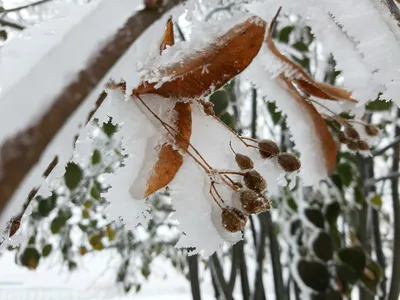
[(303, 80), (169, 159), (168, 38), (227, 57), (326, 140)]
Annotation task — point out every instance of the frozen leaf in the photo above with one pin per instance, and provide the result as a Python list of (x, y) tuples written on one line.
[(322, 246), (371, 277), (168, 38), (376, 201), (47, 250), (169, 159), (73, 175), (354, 257), (30, 258), (202, 72)]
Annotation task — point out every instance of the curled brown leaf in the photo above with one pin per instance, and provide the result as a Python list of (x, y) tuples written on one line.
[(169, 158), (302, 79), (201, 73)]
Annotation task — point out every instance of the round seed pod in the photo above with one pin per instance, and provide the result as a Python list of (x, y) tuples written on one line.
[(252, 202), (254, 181), (288, 162), (363, 145), (353, 145), (268, 148), (208, 107), (352, 133), (371, 130), (342, 137), (233, 220), (244, 162)]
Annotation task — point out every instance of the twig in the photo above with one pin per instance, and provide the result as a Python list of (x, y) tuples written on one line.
[(394, 10), (11, 24), (218, 9), (373, 181), (394, 283), (26, 6), (244, 280), (393, 143)]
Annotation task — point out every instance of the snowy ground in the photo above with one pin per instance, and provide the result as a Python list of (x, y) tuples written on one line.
[(95, 281)]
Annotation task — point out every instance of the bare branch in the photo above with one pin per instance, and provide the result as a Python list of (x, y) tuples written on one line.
[(11, 24), (393, 143), (26, 6), (15, 163), (194, 276)]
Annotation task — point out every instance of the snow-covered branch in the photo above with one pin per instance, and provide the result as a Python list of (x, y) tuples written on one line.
[(63, 75)]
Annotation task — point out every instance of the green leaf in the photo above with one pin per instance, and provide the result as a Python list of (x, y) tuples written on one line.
[(46, 205), (220, 99), (145, 271), (352, 218), (371, 277), (376, 201), (73, 175), (228, 120), (96, 157), (292, 203), (315, 216), (301, 46), (379, 105), (285, 33), (109, 128), (332, 212), (72, 265), (96, 243), (137, 288), (3, 35), (95, 192), (353, 257), (345, 173), (314, 274), (359, 195), (56, 225), (347, 273), (323, 247), (30, 258), (47, 250), (275, 114)]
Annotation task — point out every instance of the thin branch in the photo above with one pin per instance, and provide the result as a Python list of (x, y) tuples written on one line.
[(219, 9), (243, 271), (394, 284), (26, 6), (394, 10), (11, 24), (381, 151), (15, 163), (234, 267), (373, 181)]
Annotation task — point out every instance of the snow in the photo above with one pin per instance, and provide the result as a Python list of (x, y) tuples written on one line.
[(62, 144)]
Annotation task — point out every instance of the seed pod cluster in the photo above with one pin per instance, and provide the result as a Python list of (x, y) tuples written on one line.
[(254, 181), (244, 162), (351, 137), (268, 148), (253, 202), (233, 220), (371, 130), (288, 162)]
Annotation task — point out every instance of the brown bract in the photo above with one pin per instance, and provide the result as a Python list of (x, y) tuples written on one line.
[(169, 159), (226, 57), (302, 79), (321, 130)]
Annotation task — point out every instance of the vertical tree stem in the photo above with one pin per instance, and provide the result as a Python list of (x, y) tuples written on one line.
[(194, 276), (395, 281)]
